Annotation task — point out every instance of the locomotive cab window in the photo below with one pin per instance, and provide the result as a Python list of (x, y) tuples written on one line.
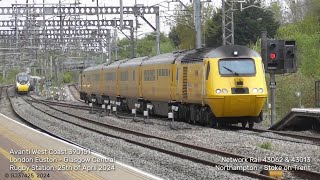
[(237, 67)]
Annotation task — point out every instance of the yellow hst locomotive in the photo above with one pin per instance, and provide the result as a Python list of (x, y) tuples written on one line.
[(23, 84), (209, 86)]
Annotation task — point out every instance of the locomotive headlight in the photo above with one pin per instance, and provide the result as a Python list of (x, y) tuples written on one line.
[(225, 91), (260, 90), (218, 91), (235, 53), (255, 90)]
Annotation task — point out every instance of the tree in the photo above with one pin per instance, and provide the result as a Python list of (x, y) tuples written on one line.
[(146, 46), (248, 24), (214, 30), (174, 36), (306, 33), (183, 33)]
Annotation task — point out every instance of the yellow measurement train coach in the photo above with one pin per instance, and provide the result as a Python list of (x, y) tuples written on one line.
[(218, 86)]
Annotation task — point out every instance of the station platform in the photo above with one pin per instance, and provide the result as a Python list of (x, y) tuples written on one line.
[(26, 153), (299, 119)]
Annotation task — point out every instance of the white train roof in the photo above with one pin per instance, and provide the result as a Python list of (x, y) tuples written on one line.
[(97, 67), (167, 58), (184, 56), (115, 64), (133, 62)]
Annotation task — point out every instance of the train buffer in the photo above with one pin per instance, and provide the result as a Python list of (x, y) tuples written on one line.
[(299, 119)]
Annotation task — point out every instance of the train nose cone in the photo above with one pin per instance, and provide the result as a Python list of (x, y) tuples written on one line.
[(23, 88), (239, 106)]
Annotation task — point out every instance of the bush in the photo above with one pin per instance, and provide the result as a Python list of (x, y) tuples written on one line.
[(265, 145), (288, 85), (67, 77)]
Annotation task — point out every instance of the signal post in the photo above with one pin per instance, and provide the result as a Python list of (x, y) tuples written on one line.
[(278, 57)]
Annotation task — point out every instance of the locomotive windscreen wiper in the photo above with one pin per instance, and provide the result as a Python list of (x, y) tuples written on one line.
[(232, 71)]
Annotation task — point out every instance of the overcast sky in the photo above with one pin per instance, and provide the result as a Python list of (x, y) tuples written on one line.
[(165, 10)]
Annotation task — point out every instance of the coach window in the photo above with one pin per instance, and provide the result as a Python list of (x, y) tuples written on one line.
[(126, 76), (177, 76), (146, 75), (133, 75), (152, 75), (208, 71)]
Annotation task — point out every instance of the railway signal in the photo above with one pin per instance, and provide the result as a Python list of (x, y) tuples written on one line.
[(290, 62), (274, 54), (279, 56)]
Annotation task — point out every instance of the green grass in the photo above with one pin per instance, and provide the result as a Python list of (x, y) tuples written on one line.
[(265, 145)]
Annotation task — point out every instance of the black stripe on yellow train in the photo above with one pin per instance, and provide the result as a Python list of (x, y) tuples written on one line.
[(209, 86)]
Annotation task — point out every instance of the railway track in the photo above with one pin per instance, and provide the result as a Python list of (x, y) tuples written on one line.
[(312, 138), (1, 87), (72, 88), (25, 121), (304, 173), (5, 103), (85, 107)]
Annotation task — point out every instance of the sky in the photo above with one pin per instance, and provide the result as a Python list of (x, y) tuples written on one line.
[(166, 7)]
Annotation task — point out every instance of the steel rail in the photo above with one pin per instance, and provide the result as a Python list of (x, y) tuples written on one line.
[(297, 136), (311, 174), (180, 155), (314, 139), (71, 88), (39, 128)]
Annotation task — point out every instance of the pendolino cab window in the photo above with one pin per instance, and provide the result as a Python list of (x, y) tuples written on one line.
[(22, 78), (237, 67)]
